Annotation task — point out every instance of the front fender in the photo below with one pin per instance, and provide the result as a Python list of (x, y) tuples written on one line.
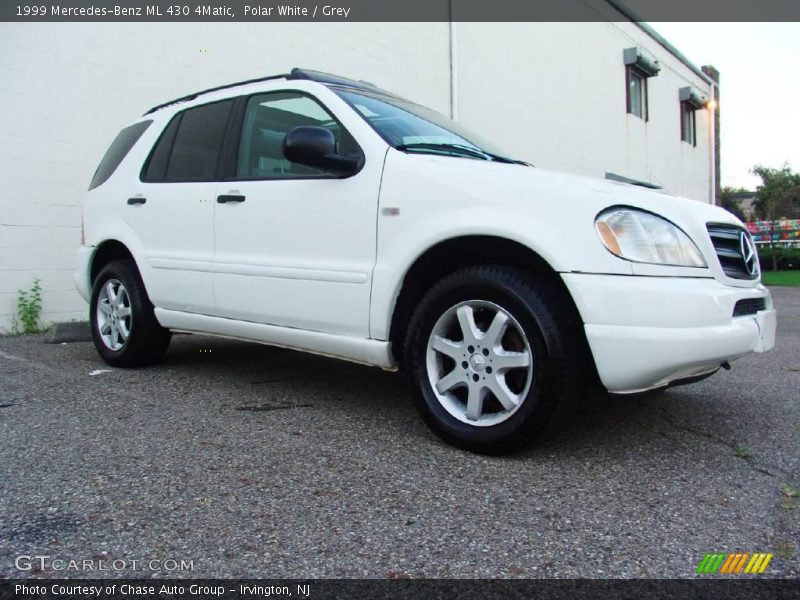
[(426, 200)]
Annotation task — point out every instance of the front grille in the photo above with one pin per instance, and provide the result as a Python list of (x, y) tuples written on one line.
[(727, 242), (748, 307)]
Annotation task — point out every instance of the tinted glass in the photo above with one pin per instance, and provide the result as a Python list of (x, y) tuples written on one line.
[(402, 123), (156, 167), (267, 120), (118, 150), (197, 143)]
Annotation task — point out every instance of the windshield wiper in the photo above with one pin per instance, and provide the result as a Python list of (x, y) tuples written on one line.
[(459, 149)]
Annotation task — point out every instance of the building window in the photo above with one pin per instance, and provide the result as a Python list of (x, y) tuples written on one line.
[(637, 93), (691, 101), (688, 124), (638, 69)]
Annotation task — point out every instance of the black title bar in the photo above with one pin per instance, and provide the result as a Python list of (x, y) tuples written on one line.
[(383, 589), (398, 10)]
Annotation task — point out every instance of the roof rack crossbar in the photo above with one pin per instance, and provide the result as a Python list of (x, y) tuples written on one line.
[(215, 89)]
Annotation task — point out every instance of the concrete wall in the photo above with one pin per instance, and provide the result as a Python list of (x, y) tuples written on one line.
[(553, 93)]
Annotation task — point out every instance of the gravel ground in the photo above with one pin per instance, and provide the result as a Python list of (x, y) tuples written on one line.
[(260, 462)]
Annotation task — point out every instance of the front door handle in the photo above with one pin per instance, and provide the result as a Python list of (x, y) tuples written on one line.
[(230, 198), (137, 200)]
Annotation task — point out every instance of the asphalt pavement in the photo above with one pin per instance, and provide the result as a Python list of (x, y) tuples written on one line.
[(237, 459)]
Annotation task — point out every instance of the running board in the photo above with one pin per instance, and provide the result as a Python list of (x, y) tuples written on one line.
[(359, 350)]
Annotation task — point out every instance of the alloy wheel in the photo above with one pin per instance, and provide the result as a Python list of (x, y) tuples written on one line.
[(479, 363), (114, 318)]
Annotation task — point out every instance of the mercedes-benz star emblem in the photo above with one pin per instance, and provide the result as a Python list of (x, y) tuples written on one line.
[(748, 253)]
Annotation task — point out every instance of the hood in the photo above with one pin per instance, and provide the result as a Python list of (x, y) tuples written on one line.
[(567, 204), (530, 186)]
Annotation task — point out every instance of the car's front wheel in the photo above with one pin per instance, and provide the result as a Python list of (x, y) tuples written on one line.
[(495, 358), (124, 328)]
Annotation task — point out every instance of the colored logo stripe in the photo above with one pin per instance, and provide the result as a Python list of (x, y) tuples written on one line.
[(710, 563), (734, 563), (758, 564)]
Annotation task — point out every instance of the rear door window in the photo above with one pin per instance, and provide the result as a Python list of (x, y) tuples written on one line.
[(189, 148), (195, 152)]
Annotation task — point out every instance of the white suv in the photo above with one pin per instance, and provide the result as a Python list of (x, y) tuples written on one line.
[(314, 212)]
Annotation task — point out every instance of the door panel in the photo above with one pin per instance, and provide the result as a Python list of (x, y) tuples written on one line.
[(175, 222), (176, 227), (300, 249)]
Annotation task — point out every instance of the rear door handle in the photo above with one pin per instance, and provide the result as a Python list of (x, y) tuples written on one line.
[(137, 200), (230, 198)]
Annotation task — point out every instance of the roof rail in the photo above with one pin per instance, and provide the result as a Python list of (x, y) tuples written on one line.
[(331, 79), (215, 89), (323, 77), (306, 74)]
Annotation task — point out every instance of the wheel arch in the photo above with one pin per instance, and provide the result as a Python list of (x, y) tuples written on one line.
[(107, 251), (464, 251)]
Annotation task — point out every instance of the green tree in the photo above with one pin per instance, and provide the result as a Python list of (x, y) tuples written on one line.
[(727, 194), (778, 197)]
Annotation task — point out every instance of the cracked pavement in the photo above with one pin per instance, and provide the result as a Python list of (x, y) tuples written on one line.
[(261, 462)]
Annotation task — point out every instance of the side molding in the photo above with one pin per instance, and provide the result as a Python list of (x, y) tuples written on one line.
[(364, 351)]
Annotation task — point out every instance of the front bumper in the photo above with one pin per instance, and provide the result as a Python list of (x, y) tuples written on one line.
[(645, 332)]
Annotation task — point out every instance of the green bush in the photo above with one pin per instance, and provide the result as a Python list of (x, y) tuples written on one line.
[(788, 259), (29, 308)]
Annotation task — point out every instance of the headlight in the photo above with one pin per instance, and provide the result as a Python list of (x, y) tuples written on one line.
[(641, 236)]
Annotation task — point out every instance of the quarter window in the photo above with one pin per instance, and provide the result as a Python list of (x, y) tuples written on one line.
[(267, 120), (118, 150)]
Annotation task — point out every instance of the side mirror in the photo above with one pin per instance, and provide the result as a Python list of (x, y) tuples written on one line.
[(316, 147)]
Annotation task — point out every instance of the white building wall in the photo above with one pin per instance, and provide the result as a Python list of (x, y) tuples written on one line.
[(67, 89), (552, 93)]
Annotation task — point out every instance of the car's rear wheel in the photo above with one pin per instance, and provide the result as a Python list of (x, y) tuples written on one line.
[(124, 328), (494, 357)]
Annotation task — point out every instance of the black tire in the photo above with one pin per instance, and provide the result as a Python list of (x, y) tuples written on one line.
[(554, 337), (146, 341)]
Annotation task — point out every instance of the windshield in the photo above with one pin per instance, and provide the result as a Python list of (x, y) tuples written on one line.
[(413, 128)]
